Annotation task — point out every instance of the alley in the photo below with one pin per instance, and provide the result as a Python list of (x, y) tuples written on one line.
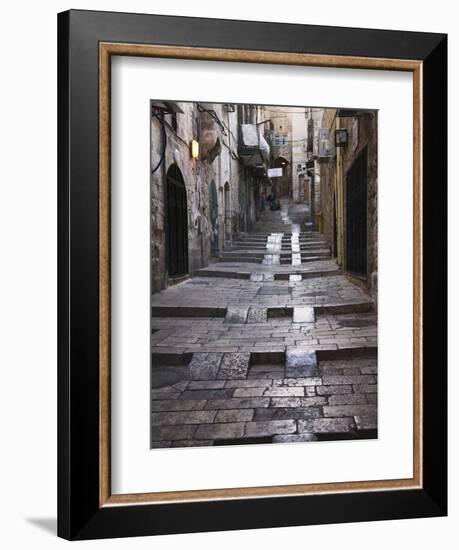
[(269, 343)]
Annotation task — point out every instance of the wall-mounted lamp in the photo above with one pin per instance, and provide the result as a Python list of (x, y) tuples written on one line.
[(194, 147)]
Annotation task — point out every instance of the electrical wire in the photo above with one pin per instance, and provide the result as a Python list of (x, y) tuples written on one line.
[(163, 153)]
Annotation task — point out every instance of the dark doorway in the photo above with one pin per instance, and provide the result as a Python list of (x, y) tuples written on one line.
[(227, 213), (335, 227), (282, 184), (177, 223), (213, 207), (356, 216)]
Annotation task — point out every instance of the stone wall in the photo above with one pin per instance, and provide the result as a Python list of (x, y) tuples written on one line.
[(362, 133), (234, 195), (327, 182)]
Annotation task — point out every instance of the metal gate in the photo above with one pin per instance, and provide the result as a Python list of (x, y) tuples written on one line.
[(177, 223), (356, 216), (213, 207)]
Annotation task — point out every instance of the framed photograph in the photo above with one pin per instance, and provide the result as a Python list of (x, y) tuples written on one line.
[(252, 274)]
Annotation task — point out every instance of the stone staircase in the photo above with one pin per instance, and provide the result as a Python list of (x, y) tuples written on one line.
[(286, 234)]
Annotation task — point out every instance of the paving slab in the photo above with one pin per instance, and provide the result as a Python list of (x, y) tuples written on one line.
[(301, 363), (349, 410), (270, 427), (204, 366), (187, 417), (226, 430), (236, 314), (257, 314), (303, 315), (366, 422), (296, 258), (293, 438), (234, 366), (326, 425)]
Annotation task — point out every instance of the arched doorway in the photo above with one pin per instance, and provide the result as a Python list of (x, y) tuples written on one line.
[(177, 223), (213, 209), (227, 213), (283, 185), (356, 216)]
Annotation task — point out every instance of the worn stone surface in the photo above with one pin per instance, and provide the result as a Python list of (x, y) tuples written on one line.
[(296, 258), (257, 315), (336, 380), (292, 438), (309, 381), (205, 384), (207, 394), (177, 405), (249, 392), (271, 259), (256, 277), (286, 402), (349, 410), (372, 398), (347, 399), (270, 427), (251, 383), (231, 346), (303, 315), (286, 391), (165, 393), (236, 314), (187, 417), (238, 403), (166, 376), (326, 425), (227, 430), (292, 413), (235, 415), (234, 366), (333, 390), (172, 432), (366, 422), (301, 363), (313, 401), (192, 443), (365, 388), (204, 366)]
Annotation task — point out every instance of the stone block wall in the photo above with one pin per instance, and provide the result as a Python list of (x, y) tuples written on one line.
[(216, 131), (362, 133)]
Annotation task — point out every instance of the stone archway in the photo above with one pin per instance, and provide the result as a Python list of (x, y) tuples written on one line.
[(213, 210), (227, 195), (177, 223), (283, 185)]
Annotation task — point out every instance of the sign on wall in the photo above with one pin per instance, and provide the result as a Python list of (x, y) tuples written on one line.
[(275, 172)]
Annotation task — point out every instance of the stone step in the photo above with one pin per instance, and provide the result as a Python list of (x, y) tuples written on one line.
[(284, 276), (285, 244), (284, 254), (187, 311)]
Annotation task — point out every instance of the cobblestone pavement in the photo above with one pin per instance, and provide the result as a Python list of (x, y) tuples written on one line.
[(262, 350)]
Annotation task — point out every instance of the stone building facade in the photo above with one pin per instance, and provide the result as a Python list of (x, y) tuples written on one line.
[(199, 201), (348, 201)]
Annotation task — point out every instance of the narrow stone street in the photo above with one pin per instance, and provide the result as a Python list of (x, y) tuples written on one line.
[(272, 343)]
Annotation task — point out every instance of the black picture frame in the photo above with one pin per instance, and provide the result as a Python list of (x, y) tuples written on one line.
[(80, 515)]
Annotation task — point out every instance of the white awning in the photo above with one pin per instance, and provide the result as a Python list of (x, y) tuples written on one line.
[(254, 145)]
